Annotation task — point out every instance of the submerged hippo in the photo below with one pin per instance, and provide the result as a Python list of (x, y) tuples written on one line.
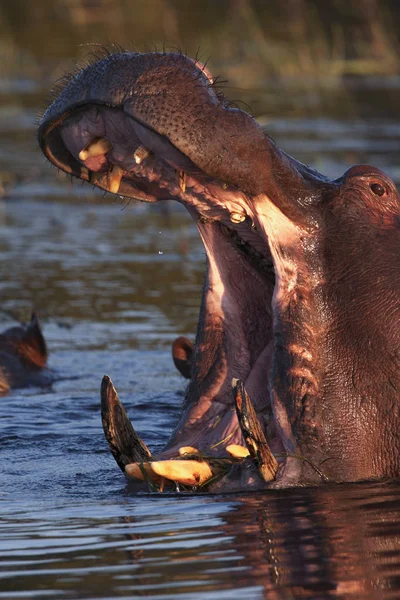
[(23, 357), (295, 370)]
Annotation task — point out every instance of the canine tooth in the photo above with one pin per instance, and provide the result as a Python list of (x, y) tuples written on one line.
[(188, 472), (237, 451), (140, 154), (135, 470), (125, 444), (95, 148), (182, 180), (114, 179), (187, 450), (236, 217), (253, 434)]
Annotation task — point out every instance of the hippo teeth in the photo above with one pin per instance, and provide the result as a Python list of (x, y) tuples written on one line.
[(187, 450), (140, 154), (237, 451), (125, 444), (181, 175), (140, 470), (237, 217), (114, 179), (191, 468), (187, 472), (253, 434), (96, 148)]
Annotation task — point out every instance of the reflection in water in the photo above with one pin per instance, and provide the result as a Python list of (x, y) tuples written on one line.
[(331, 542), (324, 542)]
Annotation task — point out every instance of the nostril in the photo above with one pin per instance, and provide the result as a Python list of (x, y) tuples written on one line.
[(377, 189)]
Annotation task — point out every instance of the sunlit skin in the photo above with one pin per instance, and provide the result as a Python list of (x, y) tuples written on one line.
[(300, 300)]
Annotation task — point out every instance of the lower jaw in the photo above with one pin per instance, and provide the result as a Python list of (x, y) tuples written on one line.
[(240, 460)]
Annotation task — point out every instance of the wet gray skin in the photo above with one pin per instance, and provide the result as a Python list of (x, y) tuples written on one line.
[(300, 299), (23, 357)]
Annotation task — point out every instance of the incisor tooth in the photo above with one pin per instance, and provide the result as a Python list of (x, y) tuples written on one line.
[(188, 472), (187, 450), (134, 470), (236, 217), (95, 148), (140, 154), (114, 179), (237, 451), (182, 180)]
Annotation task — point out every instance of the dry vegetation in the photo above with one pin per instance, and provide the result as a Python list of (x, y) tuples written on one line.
[(271, 52), (252, 38)]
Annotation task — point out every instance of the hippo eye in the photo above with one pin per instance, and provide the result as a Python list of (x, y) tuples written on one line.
[(377, 188)]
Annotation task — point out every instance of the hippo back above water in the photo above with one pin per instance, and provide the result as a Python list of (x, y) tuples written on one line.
[(301, 294), (23, 357)]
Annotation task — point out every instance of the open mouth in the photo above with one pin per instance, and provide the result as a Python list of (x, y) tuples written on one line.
[(154, 142)]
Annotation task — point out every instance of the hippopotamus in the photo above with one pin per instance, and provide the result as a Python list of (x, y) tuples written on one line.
[(294, 374), (23, 357)]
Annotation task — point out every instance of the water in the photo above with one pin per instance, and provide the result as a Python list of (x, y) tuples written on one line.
[(114, 286)]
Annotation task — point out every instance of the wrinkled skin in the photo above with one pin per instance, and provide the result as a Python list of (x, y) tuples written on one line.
[(23, 357), (301, 293)]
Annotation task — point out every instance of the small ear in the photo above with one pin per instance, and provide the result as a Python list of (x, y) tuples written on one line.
[(4, 385), (182, 354), (32, 346)]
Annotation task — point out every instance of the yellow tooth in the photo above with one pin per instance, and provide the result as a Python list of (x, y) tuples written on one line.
[(140, 154), (188, 472), (114, 179), (187, 450), (237, 451), (95, 148), (236, 217), (182, 180), (134, 470)]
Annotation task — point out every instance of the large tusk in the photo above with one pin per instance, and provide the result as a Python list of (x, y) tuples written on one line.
[(253, 434), (114, 179), (95, 148), (125, 444), (187, 472)]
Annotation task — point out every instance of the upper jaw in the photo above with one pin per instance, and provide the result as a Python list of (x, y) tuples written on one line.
[(232, 179)]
